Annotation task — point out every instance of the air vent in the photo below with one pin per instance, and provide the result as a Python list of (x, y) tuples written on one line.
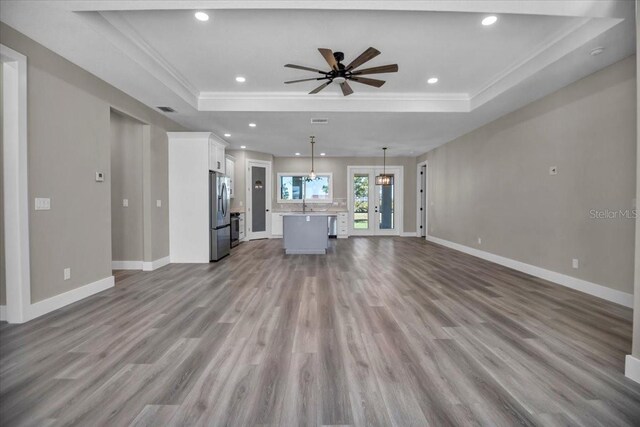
[(319, 121), (167, 109)]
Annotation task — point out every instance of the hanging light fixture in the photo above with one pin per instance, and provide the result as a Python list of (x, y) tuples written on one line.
[(312, 174), (384, 179)]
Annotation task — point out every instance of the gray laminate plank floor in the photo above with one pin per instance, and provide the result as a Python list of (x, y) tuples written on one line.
[(381, 331)]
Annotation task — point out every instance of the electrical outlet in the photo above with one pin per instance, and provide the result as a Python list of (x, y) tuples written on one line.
[(125, 203), (158, 203), (99, 177), (575, 263), (553, 170), (479, 240), (67, 273)]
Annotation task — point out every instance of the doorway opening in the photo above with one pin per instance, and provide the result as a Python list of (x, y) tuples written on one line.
[(127, 201)]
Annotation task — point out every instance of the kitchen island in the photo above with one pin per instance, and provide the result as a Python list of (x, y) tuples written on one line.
[(305, 233)]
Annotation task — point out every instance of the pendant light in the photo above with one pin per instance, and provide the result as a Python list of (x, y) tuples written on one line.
[(384, 179), (312, 174)]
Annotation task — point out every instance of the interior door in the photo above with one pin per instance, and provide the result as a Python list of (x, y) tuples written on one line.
[(373, 208), (258, 199)]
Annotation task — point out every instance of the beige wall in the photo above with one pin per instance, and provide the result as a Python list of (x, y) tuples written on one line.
[(68, 136), (338, 167), (159, 187), (126, 183), (494, 182)]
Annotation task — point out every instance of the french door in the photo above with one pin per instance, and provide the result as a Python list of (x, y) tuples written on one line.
[(374, 210)]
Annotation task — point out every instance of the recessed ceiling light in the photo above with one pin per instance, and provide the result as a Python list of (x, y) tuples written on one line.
[(241, 79), (323, 154), (243, 146), (201, 16), (489, 20), (227, 135), (596, 51), (297, 154), (252, 125), (432, 80)]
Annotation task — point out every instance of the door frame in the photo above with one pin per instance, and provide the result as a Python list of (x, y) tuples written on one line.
[(398, 195), (426, 199), (250, 235), (16, 192)]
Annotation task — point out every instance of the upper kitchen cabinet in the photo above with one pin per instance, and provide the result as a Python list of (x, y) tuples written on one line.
[(231, 173), (217, 161)]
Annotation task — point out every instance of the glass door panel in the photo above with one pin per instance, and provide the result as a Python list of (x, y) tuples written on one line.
[(360, 198), (385, 202)]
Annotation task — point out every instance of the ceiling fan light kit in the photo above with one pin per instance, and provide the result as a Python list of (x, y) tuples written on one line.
[(343, 74)]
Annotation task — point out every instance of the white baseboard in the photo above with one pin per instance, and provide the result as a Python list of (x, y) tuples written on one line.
[(152, 265), (50, 304), (127, 265), (409, 234), (594, 289), (632, 368), (3, 313)]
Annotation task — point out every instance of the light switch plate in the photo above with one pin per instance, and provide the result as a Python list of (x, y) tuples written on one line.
[(42, 204), (158, 203), (67, 273), (125, 203)]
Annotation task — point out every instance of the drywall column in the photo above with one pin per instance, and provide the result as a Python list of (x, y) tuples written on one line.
[(632, 365)]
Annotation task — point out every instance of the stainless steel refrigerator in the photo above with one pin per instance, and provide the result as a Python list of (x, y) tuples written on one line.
[(219, 216)]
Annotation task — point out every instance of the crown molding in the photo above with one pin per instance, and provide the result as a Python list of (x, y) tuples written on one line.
[(544, 55), (586, 8)]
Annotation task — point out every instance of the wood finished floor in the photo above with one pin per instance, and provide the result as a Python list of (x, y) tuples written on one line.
[(382, 331)]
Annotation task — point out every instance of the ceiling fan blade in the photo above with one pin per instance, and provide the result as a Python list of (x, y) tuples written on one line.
[(319, 88), (378, 70), (365, 56), (304, 80), (328, 56), (366, 81), (346, 89), (300, 67)]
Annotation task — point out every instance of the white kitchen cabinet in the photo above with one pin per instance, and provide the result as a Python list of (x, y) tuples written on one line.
[(217, 161), (230, 171), (343, 225), (276, 224)]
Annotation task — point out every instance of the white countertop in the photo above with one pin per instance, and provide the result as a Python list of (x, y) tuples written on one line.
[(316, 213), (309, 212)]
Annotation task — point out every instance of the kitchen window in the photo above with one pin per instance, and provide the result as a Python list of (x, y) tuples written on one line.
[(291, 188)]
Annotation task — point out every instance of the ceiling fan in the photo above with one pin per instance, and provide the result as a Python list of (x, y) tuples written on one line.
[(342, 74)]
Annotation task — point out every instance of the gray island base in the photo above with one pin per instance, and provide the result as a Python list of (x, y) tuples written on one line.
[(305, 233)]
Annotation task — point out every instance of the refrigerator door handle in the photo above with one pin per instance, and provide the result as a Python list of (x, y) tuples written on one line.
[(223, 195)]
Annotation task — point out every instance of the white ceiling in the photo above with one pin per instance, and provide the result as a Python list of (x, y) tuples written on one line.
[(163, 56)]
